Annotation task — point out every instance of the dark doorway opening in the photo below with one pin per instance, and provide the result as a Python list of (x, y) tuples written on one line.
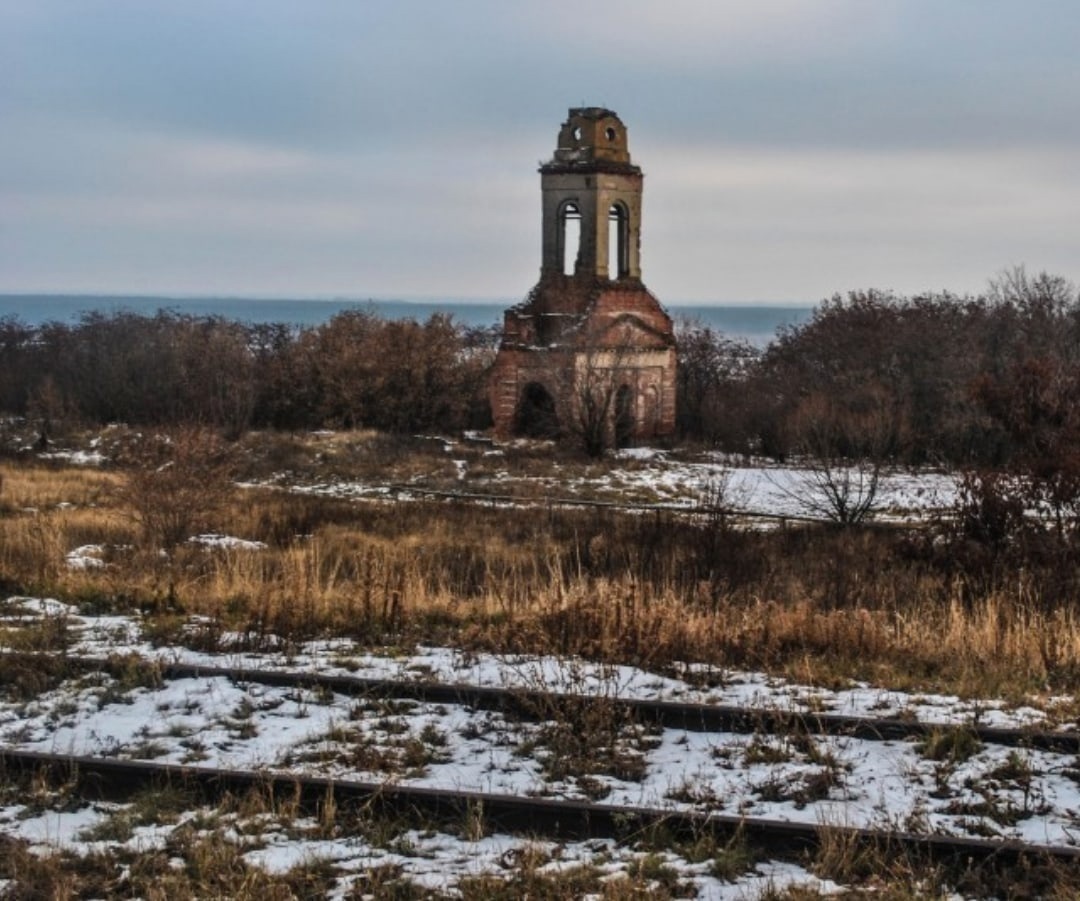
[(536, 416), (624, 416)]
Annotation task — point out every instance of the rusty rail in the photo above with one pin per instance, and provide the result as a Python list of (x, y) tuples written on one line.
[(95, 777), (536, 704)]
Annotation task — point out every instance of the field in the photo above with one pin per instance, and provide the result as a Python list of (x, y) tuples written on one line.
[(681, 577)]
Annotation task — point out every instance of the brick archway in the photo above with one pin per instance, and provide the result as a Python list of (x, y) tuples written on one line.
[(536, 415)]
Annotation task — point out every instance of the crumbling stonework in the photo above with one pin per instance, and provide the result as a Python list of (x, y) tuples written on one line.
[(589, 332)]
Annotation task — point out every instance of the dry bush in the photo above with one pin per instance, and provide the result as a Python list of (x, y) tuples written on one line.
[(175, 483)]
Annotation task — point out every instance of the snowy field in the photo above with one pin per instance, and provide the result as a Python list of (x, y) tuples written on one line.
[(633, 476), (648, 476), (965, 790), (985, 791)]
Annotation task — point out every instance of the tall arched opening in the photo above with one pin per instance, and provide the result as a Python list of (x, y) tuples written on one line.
[(569, 237), (536, 416), (618, 241), (624, 416)]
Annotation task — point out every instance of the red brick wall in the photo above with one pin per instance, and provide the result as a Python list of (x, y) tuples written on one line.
[(540, 347)]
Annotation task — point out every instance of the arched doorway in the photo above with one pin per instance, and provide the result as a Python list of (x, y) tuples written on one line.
[(624, 416), (536, 416)]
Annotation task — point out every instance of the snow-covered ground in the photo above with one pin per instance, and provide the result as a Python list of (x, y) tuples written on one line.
[(1027, 794), (212, 721), (635, 475), (432, 861), (648, 476)]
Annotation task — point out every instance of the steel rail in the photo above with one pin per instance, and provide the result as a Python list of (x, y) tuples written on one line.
[(699, 511), (95, 777), (537, 704)]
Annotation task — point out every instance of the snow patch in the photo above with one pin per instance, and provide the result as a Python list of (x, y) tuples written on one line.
[(75, 457), (88, 556), (228, 542)]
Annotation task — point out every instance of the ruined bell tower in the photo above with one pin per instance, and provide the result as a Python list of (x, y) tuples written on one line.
[(592, 179), (590, 340)]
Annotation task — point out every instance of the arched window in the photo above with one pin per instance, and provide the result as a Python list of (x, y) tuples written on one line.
[(569, 237), (618, 241)]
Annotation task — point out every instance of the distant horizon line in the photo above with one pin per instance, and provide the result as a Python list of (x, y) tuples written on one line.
[(415, 299)]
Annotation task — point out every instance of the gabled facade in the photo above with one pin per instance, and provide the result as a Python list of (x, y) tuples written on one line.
[(590, 341)]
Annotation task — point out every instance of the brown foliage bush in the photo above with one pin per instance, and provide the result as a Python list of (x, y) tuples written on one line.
[(171, 369)]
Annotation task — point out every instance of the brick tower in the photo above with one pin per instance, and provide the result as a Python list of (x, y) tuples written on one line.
[(590, 349)]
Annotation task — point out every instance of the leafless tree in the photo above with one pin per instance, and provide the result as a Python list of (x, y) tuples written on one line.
[(47, 409), (844, 493), (844, 453), (713, 400), (598, 384)]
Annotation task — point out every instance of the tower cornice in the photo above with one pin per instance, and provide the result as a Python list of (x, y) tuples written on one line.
[(588, 167)]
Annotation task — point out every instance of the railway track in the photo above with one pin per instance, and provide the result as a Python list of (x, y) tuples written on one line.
[(110, 777), (534, 704), (95, 778), (697, 512)]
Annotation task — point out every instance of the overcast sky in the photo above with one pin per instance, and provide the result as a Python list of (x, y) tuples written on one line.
[(792, 148)]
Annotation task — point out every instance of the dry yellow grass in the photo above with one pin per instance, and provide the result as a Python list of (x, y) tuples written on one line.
[(46, 512), (606, 588), (44, 488)]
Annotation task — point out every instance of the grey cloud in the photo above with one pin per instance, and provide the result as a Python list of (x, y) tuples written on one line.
[(391, 146)]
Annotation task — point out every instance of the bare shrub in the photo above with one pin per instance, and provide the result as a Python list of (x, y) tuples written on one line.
[(712, 398), (175, 483), (47, 409), (398, 375), (844, 447), (989, 509), (845, 494)]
